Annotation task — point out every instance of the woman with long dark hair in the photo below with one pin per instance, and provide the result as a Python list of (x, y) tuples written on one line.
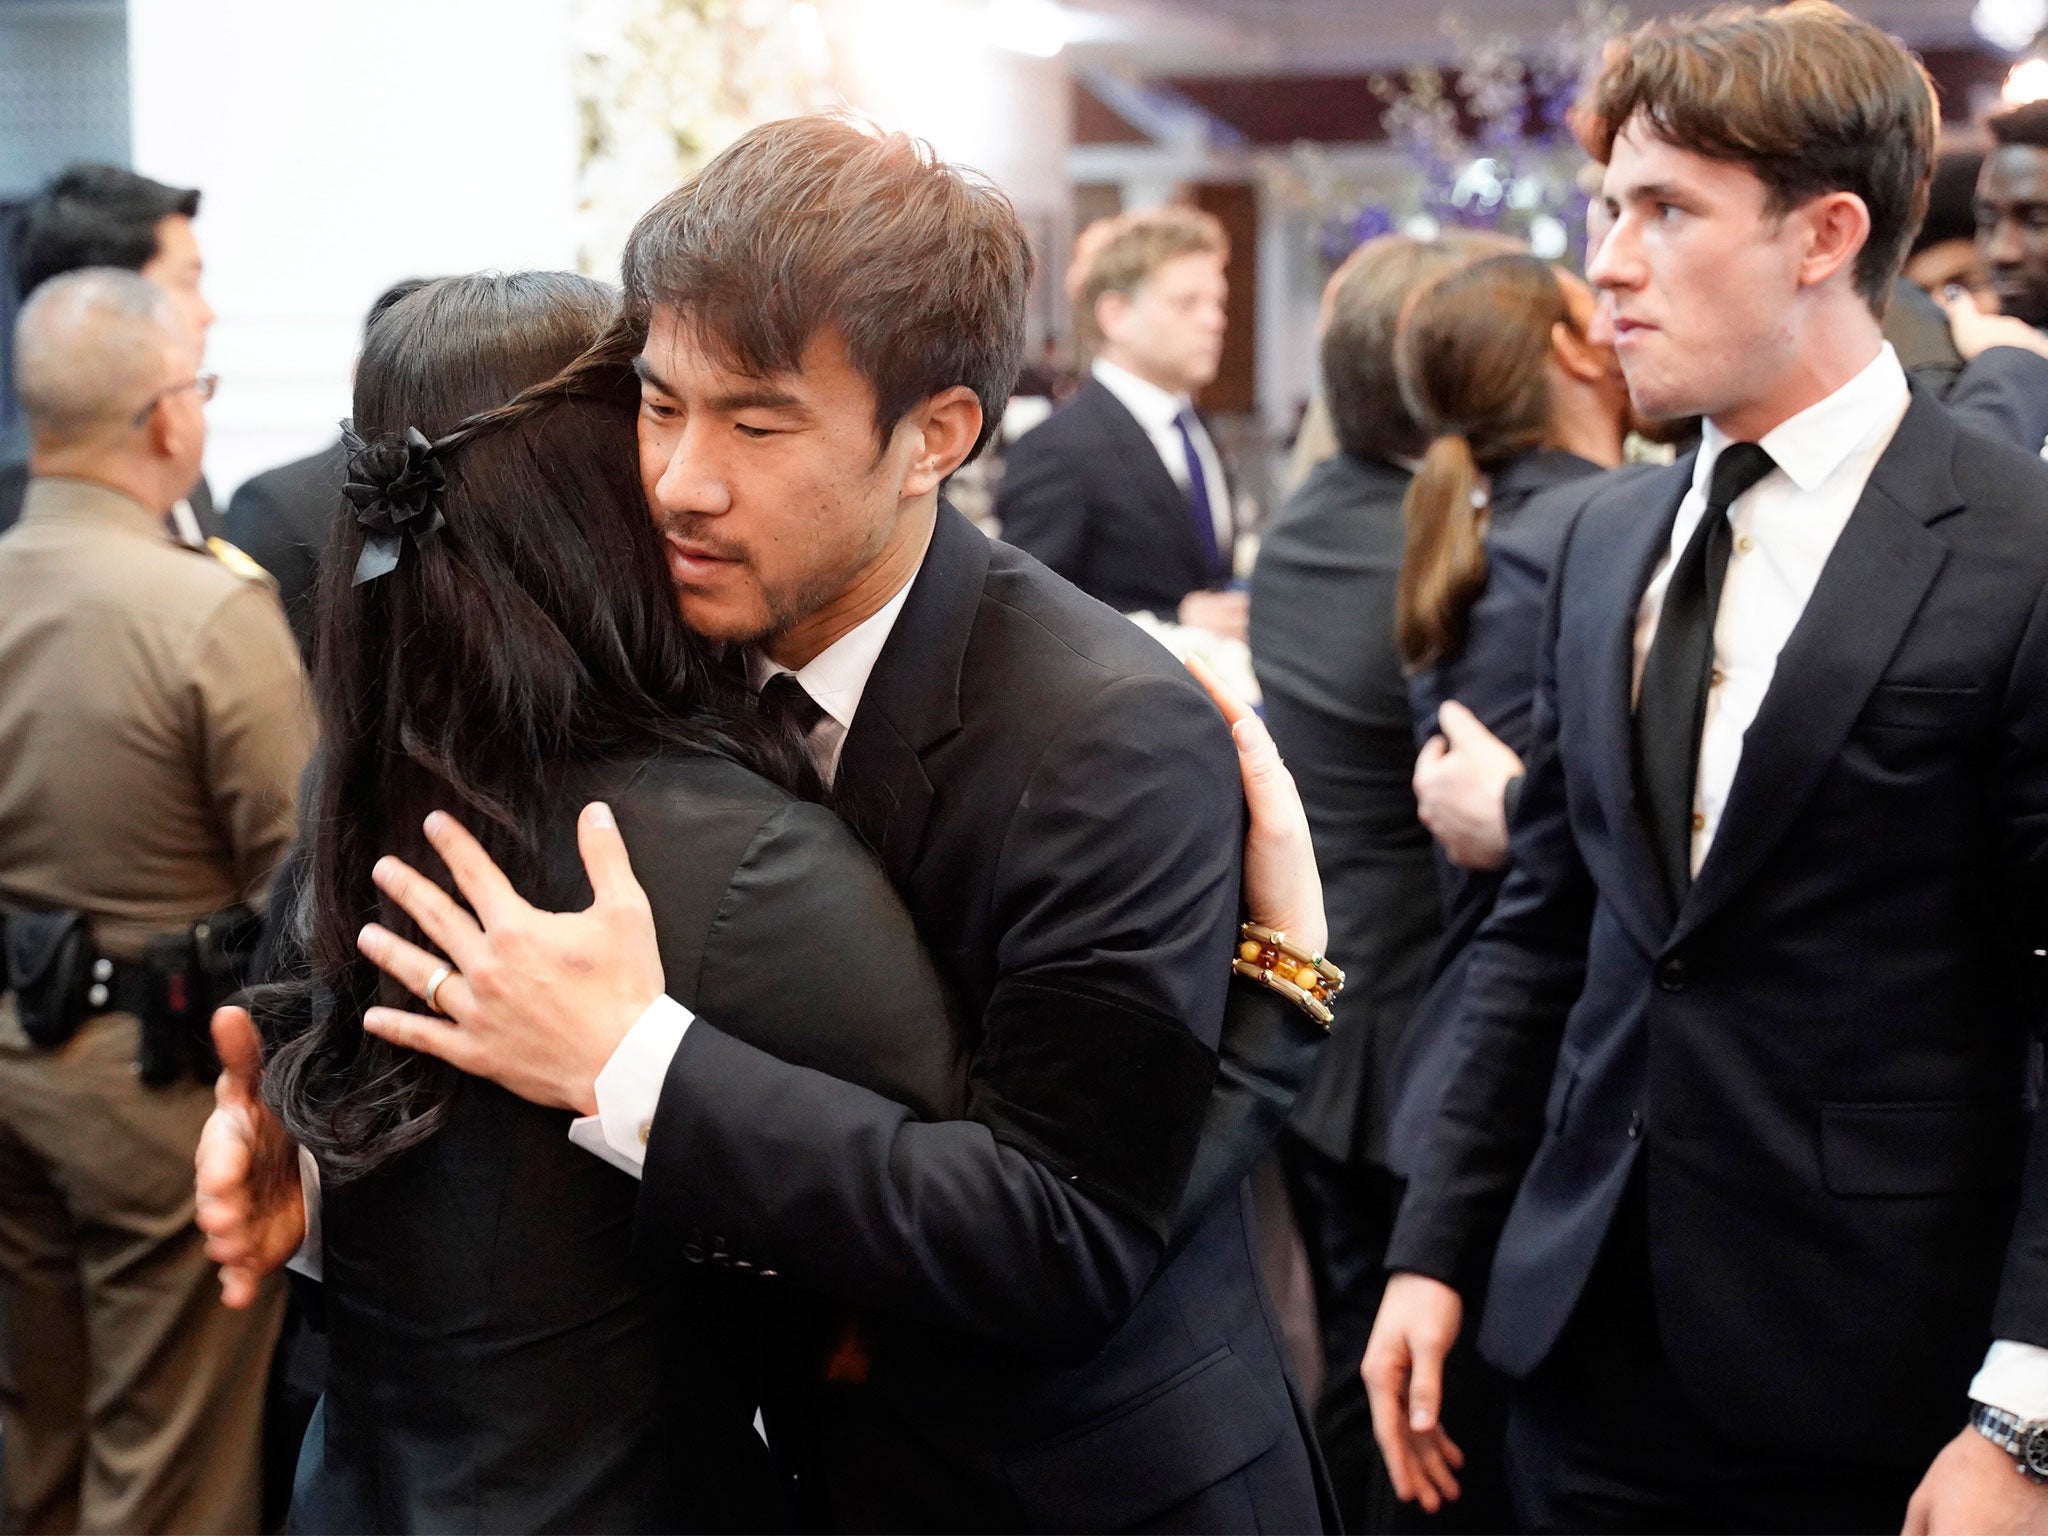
[(498, 637)]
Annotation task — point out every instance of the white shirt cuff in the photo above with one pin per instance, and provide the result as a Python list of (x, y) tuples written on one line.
[(629, 1087), (308, 1260), (2014, 1378)]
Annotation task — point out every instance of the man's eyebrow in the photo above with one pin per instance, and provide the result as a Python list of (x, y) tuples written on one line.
[(647, 375), (1661, 191), (760, 397)]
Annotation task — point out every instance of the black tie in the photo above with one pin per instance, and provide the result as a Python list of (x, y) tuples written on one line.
[(784, 701), (1671, 703)]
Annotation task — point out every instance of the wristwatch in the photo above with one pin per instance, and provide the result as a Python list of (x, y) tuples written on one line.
[(2024, 1440)]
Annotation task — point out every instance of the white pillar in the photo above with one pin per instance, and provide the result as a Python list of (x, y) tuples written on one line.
[(341, 145)]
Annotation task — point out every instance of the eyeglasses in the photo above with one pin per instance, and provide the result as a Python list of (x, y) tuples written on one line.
[(202, 385)]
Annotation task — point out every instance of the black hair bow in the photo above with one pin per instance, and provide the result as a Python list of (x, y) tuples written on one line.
[(395, 484)]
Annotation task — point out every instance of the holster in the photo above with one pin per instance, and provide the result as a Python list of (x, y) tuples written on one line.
[(194, 972), (49, 958)]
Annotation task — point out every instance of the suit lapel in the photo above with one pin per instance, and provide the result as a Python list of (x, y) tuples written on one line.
[(912, 698), (1869, 591), (1642, 900), (1134, 452)]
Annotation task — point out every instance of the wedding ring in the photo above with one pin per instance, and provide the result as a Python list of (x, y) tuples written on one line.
[(441, 974)]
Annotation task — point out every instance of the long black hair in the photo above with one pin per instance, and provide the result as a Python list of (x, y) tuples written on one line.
[(536, 630)]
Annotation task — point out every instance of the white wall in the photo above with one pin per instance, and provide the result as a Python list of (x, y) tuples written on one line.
[(341, 145)]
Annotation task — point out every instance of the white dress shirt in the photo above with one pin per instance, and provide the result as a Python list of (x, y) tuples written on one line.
[(629, 1088), (1156, 411), (1785, 528)]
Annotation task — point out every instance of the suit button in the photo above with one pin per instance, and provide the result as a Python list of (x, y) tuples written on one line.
[(1671, 975), (1635, 1126)]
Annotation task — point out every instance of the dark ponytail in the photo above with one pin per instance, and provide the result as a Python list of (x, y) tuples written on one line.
[(1472, 352)]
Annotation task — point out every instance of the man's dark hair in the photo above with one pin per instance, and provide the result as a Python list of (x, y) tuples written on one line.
[(825, 223), (1951, 200), (94, 216), (2026, 124), (1808, 97), (1361, 382)]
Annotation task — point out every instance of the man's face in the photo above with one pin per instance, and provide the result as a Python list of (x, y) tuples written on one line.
[(2012, 228), (176, 268), (1698, 277), (772, 495), (1169, 329)]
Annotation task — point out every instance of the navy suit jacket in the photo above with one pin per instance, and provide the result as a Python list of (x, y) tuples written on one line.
[(1087, 493), (1819, 1057), (1048, 1342)]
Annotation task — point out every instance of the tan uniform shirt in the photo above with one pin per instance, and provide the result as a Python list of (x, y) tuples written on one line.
[(153, 719)]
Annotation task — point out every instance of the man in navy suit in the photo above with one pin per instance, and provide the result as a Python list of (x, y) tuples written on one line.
[(1738, 1141), (1122, 490)]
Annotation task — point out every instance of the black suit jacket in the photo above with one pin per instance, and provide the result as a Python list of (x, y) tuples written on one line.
[(500, 1361), (1087, 493), (1322, 634), (281, 519), (1059, 807), (1818, 1058)]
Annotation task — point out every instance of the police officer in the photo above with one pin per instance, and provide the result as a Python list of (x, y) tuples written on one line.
[(153, 727)]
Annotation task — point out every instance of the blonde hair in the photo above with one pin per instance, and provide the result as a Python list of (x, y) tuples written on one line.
[(1115, 254)]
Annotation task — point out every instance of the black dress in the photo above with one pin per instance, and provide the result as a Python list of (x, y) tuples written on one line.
[(501, 1359)]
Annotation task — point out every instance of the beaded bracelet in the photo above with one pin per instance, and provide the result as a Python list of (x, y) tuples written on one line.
[(1308, 981)]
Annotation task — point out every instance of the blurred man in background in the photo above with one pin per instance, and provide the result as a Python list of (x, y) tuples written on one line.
[(1336, 698), (102, 216), (152, 733), (2012, 211), (1122, 490), (280, 518)]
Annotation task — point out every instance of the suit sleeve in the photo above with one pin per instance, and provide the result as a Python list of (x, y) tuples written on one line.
[(1037, 1220), (255, 730), (1041, 505), (256, 524), (2003, 395), (2021, 1311), (1527, 966)]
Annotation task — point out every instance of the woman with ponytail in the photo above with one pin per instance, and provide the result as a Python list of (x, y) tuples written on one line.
[(1523, 409)]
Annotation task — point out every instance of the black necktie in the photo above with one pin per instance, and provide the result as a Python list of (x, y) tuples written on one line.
[(784, 701), (1671, 703)]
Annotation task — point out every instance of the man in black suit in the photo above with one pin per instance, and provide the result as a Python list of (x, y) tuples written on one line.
[(280, 518), (1336, 699), (103, 216), (1739, 1129), (1121, 490), (1042, 1327)]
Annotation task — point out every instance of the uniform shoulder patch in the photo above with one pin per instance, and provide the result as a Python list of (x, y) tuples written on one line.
[(242, 564)]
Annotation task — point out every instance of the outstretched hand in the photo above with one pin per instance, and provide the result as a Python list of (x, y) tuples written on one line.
[(1282, 887), (247, 1196), (537, 1001)]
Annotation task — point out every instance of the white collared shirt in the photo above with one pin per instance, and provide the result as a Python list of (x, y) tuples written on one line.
[(1785, 528), (629, 1088), (835, 678), (1156, 410)]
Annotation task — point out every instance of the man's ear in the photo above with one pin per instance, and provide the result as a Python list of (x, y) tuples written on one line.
[(948, 424), (1837, 226), (1110, 309)]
